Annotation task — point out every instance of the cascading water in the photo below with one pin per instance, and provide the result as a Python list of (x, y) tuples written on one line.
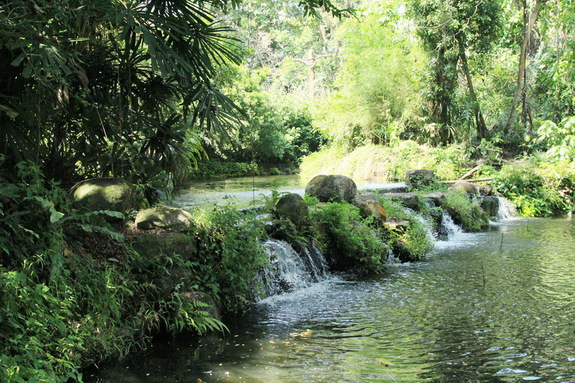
[(288, 270), (506, 209), (449, 229)]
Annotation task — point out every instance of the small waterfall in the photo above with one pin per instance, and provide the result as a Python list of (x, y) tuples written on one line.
[(288, 270), (449, 230), (506, 209)]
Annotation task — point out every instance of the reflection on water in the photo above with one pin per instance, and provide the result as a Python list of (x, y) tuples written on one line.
[(241, 191), (249, 191), (495, 307)]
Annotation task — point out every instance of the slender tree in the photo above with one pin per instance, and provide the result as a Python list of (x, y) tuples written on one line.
[(452, 31)]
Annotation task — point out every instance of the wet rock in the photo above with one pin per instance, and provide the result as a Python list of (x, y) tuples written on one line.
[(491, 205), (332, 188), (419, 178), (163, 217), (104, 194), (435, 197)]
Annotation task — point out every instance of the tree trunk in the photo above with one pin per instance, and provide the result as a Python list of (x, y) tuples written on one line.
[(529, 19), (479, 120)]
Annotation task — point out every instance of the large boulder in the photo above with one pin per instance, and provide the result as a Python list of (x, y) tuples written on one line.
[(104, 194), (292, 207), (332, 188), (163, 217), (419, 178)]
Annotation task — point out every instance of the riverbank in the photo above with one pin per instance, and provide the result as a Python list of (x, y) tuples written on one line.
[(80, 287)]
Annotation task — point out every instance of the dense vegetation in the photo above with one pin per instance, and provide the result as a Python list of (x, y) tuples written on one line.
[(158, 91)]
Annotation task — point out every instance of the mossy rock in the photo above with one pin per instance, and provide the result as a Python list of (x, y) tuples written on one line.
[(466, 187), (332, 188), (419, 178), (164, 217), (371, 207), (104, 194), (490, 205), (409, 200), (292, 207), (150, 246)]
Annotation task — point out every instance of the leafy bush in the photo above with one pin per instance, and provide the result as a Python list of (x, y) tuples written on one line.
[(538, 187), (415, 240), (73, 292), (348, 241), (229, 255), (465, 211), (213, 168)]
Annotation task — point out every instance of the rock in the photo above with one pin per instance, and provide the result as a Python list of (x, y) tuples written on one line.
[(332, 188), (292, 207), (409, 200), (419, 178), (491, 205), (163, 217), (466, 187), (104, 194), (371, 208), (150, 245), (435, 197)]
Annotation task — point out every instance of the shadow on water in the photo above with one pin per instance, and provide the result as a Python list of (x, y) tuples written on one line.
[(492, 307)]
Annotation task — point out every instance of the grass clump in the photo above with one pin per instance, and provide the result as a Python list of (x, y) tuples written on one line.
[(465, 211)]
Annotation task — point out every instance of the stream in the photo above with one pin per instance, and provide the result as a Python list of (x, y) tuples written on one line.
[(497, 306)]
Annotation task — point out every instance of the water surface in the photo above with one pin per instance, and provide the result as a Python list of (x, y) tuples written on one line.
[(243, 192), (497, 306)]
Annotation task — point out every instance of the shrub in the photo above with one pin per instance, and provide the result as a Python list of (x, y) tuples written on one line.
[(348, 240), (538, 187), (415, 240), (229, 255), (465, 211)]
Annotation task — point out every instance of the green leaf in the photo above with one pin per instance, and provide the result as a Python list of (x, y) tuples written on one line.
[(9, 111)]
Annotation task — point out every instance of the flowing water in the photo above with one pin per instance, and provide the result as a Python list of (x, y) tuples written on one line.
[(497, 306)]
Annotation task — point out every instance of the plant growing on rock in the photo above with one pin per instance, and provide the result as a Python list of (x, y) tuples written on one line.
[(348, 240), (412, 239), (465, 211)]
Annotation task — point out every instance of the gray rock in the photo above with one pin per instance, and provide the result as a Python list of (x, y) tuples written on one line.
[(104, 194), (435, 197), (332, 188), (163, 217), (292, 207), (466, 187), (491, 205), (406, 199)]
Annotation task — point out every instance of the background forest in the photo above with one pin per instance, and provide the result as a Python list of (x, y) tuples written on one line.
[(135, 90)]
